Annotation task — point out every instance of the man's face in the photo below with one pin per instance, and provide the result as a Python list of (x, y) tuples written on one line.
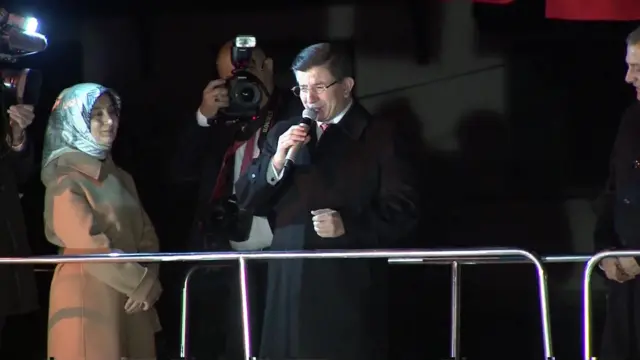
[(633, 67), (320, 91)]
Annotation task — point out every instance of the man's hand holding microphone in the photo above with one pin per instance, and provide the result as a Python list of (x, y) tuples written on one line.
[(327, 223), (292, 140)]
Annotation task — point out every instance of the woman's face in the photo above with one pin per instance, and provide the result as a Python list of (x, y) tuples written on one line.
[(104, 120)]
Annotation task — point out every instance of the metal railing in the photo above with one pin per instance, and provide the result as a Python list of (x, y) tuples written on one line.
[(586, 294), (456, 284), (453, 257)]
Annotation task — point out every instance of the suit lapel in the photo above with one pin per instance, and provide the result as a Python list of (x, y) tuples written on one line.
[(349, 129)]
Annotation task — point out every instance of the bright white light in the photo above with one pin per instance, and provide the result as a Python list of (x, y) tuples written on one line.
[(30, 25)]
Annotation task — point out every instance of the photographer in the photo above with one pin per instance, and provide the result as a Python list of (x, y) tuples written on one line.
[(17, 282), (222, 140)]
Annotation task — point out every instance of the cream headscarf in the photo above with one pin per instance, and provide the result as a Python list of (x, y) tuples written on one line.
[(69, 127)]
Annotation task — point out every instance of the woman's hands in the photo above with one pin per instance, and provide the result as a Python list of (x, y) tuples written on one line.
[(134, 306)]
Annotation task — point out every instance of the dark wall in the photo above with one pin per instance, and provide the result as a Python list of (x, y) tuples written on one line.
[(566, 93), (505, 186)]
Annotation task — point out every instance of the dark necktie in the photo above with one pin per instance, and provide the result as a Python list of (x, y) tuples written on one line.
[(223, 174)]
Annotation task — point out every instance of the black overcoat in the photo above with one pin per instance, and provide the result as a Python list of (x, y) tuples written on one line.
[(333, 308), (17, 282), (618, 227)]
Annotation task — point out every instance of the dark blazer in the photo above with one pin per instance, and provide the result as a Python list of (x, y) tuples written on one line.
[(17, 282), (199, 157), (333, 308), (618, 227), (618, 208)]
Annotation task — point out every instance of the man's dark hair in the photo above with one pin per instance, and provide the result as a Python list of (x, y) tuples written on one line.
[(334, 57), (634, 37)]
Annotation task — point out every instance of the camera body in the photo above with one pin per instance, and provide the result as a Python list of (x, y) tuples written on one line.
[(19, 38), (245, 88)]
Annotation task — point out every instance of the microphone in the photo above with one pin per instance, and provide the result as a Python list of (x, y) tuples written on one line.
[(309, 117)]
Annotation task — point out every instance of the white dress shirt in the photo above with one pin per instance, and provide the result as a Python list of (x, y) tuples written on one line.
[(274, 176), (260, 235)]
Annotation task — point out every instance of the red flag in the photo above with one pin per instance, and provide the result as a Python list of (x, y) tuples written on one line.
[(496, 2), (604, 10)]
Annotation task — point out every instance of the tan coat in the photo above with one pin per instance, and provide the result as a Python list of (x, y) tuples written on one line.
[(93, 207)]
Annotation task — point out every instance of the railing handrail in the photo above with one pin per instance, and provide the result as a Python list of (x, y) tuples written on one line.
[(241, 257), (550, 259), (428, 254), (586, 293)]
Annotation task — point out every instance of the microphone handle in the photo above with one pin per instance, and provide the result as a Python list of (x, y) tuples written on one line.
[(288, 164), (291, 155), (293, 151)]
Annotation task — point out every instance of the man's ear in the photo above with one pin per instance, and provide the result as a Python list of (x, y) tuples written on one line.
[(268, 64), (348, 84)]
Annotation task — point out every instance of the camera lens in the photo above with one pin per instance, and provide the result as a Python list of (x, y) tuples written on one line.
[(246, 93)]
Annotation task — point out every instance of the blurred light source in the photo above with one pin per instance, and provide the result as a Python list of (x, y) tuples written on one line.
[(30, 25)]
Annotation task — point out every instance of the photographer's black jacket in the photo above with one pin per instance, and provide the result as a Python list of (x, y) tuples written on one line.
[(200, 154), (17, 282)]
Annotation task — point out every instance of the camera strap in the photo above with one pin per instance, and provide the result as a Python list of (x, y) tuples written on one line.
[(225, 169)]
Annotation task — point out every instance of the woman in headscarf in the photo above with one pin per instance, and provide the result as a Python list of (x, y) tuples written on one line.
[(97, 311)]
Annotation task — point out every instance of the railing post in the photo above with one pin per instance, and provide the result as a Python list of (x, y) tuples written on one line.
[(454, 351), (586, 295), (184, 316), (244, 298), (455, 255)]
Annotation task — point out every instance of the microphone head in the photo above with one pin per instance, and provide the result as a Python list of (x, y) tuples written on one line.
[(309, 116)]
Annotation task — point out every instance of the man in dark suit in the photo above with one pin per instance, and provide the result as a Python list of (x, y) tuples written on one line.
[(618, 227), (212, 156), (351, 188)]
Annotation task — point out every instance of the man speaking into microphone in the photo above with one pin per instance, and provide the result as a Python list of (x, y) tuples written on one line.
[(337, 178)]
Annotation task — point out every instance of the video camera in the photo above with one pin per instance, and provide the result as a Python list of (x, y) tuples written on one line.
[(245, 88), (19, 38)]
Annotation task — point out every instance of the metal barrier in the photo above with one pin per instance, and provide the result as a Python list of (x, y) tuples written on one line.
[(456, 283), (453, 257), (586, 294)]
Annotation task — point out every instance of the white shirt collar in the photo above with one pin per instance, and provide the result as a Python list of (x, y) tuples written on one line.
[(336, 119)]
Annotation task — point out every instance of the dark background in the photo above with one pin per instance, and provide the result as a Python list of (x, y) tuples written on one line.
[(506, 186)]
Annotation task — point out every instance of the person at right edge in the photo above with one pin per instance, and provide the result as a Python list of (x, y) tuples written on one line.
[(351, 188), (618, 227)]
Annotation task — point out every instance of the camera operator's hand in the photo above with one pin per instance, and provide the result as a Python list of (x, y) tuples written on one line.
[(20, 117), (214, 97), (297, 134)]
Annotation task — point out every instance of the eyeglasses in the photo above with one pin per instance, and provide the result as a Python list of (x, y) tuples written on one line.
[(318, 89)]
